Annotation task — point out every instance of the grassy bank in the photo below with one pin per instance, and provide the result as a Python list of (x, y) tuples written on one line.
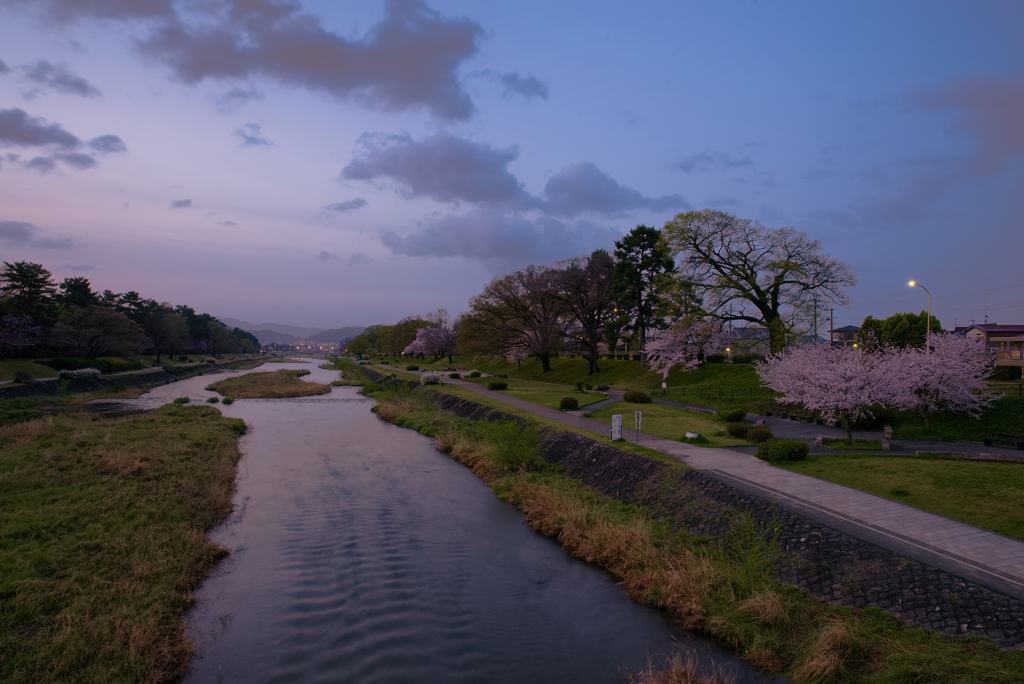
[(102, 537), (544, 393), (669, 422), (988, 495), (274, 384), (721, 588)]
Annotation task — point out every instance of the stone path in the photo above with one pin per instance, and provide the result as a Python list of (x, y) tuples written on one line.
[(976, 555)]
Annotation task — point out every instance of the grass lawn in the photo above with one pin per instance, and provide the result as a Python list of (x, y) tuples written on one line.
[(668, 422), (544, 393), (1005, 415), (102, 539), (984, 494), (38, 370), (281, 383)]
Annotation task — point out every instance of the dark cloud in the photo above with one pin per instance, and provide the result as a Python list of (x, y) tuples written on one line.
[(409, 60), (325, 256), (527, 86), (582, 187), (108, 144), (19, 129), (57, 77), (358, 258), (231, 100), (68, 11), (3, 67), (251, 137), (442, 167), (41, 164), (226, 223), (347, 205), (709, 161), (77, 160), (500, 240), (991, 111), (23, 233), (181, 204)]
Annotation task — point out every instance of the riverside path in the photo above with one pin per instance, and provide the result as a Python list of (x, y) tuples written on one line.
[(977, 555)]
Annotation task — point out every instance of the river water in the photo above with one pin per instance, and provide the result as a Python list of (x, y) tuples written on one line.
[(361, 554)]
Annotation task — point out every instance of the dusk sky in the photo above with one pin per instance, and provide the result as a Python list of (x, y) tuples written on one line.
[(349, 163)]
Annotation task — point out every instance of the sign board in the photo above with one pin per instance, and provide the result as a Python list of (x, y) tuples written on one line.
[(1015, 355), (616, 427), (638, 418), (664, 385)]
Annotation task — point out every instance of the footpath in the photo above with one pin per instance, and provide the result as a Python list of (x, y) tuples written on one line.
[(976, 555)]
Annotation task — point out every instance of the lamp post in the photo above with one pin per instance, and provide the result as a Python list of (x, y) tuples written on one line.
[(929, 319)]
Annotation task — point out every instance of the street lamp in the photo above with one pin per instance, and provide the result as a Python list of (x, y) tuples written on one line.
[(929, 333)]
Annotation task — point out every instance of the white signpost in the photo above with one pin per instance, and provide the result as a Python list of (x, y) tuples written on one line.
[(616, 427), (638, 417)]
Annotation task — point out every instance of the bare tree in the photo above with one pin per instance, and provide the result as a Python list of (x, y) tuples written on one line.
[(739, 270), (587, 287)]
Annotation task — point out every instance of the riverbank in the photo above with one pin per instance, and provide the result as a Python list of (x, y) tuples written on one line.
[(103, 539), (720, 586)]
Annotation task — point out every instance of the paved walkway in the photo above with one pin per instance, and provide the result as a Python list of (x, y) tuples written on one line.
[(977, 555)]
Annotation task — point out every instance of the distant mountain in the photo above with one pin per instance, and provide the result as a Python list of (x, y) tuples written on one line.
[(272, 336), (335, 334), (293, 330)]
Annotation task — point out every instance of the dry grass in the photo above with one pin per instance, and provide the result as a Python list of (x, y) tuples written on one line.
[(679, 668), (102, 537), (835, 650), (275, 384)]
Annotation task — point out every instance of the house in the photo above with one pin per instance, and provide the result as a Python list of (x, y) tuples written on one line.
[(1006, 340), (845, 336)]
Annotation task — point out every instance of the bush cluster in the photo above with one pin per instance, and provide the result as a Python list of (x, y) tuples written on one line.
[(182, 400), (454, 376), (212, 400), (211, 360), (637, 397), (228, 400), (731, 415), (115, 365), (412, 367), (497, 386), (568, 404), (775, 450), (475, 374), (579, 386), (759, 433), (1006, 373), (183, 358), (431, 379), (738, 430), (23, 376)]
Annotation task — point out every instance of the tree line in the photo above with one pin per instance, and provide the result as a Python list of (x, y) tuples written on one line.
[(686, 281), (40, 317)]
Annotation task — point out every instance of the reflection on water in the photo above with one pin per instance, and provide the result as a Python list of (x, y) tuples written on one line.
[(361, 554)]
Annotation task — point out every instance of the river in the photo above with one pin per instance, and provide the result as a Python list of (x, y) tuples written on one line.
[(361, 554)]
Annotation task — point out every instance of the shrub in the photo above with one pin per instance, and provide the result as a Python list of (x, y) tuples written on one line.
[(715, 358), (515, 445), (182, 400), (733, 415), (746, 358), (497, 386), (211, 361), (699, 439), (115, 365), (59, 363), (589, 386), (1006, 373), (412, 367), (738, 430), (637, 397), (173, 370), (579, 386), (23, 376), (475, 374), (212, 400), (183, 358), (759, 433), (229, 400), (504, 375), (569, 404), (454, 376), (775, 450), (81, 373), (431, 379)]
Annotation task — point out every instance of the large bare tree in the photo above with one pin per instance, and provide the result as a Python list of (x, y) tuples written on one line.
[(739, 270), (587, 287)]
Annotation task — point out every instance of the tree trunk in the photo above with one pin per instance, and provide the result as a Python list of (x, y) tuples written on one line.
[(545, 362), (776, 335), (593, 365), (848, 426)]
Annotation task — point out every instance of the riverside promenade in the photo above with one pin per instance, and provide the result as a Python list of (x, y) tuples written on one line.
[(976, 555)]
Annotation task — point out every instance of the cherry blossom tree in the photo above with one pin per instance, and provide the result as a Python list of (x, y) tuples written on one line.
[(18, 332), (686, 343), (949, 374), (438, 339), (841, 382)]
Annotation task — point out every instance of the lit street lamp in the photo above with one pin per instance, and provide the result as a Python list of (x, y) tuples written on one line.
[(929, 333)]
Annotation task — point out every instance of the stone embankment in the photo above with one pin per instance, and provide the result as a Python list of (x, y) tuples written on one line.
[(819, 560), (51, 388)]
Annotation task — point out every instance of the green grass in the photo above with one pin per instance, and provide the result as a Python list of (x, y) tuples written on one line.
[(544, 393), (668, 422), (273, 384), (1005, 415), (38, 370), (102, 540), (988, 495)]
